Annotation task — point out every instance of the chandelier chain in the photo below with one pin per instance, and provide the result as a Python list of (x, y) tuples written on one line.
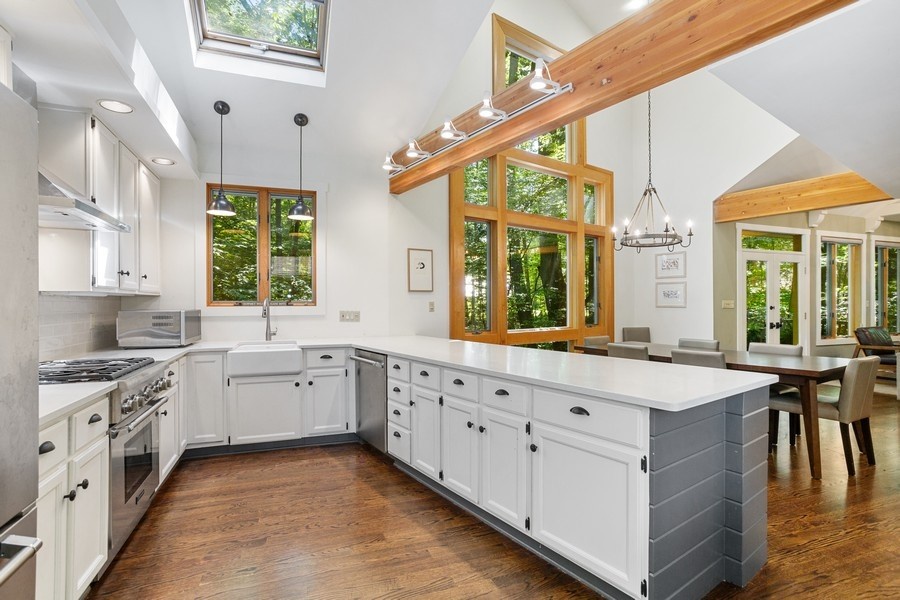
[(649, 143)]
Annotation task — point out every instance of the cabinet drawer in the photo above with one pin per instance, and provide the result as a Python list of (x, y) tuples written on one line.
[(173, 372), (460, 384), (505, 395), (91, 423), (398, 392), (399, 414), (608, 420), (398, 442), (398, 368), (325, 357), (53, 446), (427, 376)]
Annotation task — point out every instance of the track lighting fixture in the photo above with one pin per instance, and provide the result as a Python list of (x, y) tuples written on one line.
[(487, 110), (415, 151), (541, 83), (389, 165), (449, 132)]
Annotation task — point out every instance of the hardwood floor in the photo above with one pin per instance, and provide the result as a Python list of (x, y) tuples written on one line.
[(341, 522)]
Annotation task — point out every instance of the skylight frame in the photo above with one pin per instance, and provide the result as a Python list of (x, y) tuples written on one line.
[(242, 47)]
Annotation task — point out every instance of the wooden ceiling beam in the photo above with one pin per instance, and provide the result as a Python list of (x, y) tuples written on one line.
[(666, 40), (819, 193)]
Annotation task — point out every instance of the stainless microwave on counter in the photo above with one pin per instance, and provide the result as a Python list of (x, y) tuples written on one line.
[(157, 328)]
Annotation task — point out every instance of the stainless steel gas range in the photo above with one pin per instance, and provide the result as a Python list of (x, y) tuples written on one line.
[(142, 391)]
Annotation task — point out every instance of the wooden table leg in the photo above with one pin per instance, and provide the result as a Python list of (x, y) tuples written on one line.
[(810, 405)]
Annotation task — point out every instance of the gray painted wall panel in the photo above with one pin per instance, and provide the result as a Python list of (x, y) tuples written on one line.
[(742, 429), (662, 421), (666, 516), (698, 559), (668, 548), (746, 543), (685, 473), (670, 447), (700, 585), (741, 487), (743, 458), (741, 572), (741, 516), (744, 404)]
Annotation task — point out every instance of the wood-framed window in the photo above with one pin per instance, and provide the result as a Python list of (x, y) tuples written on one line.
[(530, 247), (840, 287), (259, 253)]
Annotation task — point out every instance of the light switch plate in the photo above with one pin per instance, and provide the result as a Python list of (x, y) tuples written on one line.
[(727, 303)]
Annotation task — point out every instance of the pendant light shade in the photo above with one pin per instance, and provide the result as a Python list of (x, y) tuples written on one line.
[(300, 210), (219, 205)]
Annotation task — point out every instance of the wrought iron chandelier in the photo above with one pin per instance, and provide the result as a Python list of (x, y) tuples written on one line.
[(643, 229)]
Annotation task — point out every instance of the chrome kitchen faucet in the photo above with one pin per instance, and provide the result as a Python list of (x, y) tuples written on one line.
[(266, 313)]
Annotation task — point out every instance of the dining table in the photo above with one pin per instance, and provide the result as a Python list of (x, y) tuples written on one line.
[(802, 372)]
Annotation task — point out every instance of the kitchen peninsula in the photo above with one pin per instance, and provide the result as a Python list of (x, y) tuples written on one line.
[(641, 479)]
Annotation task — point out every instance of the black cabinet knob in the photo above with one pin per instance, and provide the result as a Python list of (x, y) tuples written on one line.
[(165, 413), (84, 484), (396, 434), (125, 273), (396, 412), (70, 496), (501, 392), (481, 429), (46, 447), (396, 367), (577, 410), (533, 448), (309, 383), (95, 418), (143, 277), (458, 382), (470, 424), (411, 403), (296, 384)]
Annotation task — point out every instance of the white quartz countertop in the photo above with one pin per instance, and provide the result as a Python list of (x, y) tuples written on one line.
[(643, 383)]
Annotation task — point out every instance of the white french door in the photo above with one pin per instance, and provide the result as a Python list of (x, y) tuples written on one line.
[(774, 288)]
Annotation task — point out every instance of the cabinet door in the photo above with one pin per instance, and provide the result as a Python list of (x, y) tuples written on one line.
[(459, 447), (205, 398), (325, 406), (104, 193), (426, 431), (586, 503), (128, 213), (52, 518), (148, 235), (168, 435), (88, 534), (504, 466), (264, 409)]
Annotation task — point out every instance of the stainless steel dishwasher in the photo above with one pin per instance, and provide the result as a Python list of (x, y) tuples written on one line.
[(371, 398)]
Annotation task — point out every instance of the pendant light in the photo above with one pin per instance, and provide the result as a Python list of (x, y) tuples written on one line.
[(645, 232), (300, 210), (219, 205)]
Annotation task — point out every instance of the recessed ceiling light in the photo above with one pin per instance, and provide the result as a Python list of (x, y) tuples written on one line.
[(116, 106), (163, 161), (636, 4)]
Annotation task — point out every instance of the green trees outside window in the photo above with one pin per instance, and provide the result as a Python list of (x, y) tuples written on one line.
[(478, 276), (887, 273), (536, 263), (839, 289), (234, 247), (289, 23)]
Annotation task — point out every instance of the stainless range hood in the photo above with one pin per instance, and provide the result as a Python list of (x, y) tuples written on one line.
[(63, 209)]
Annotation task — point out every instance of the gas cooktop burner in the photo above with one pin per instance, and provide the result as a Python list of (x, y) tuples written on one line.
[(89, 369)]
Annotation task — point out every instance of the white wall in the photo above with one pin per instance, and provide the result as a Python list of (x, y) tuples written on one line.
[(706, 137)]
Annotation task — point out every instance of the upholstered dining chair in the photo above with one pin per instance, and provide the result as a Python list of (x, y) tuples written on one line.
[(627, 351), (636, 334), (877, 341), (779, 388), (852, 406), (699, 358), (695, 344), (597, 340)]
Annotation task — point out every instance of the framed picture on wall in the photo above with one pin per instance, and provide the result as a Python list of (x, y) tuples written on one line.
[(419, 266), (671, 295), (671, 265)]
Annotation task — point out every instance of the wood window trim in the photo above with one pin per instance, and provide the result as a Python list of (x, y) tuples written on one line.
[(263, 257)]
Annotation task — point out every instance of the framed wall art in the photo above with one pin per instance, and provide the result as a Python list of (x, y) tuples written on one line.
[(671, 265), (671, 295), (420, 276)]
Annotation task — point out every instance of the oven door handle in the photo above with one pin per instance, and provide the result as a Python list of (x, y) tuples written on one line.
[(115, 431)]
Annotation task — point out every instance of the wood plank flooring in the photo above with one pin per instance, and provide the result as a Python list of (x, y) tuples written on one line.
[(341, 522)]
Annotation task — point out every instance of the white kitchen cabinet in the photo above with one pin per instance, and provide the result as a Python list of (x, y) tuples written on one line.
[(264, 409), (204, 393), (105, 194), (148, 231), (325, 402), (460, 447), (169, 417), (425, 419), (87, 537), (182, 405), (584, 503), (52, 525), (128, 213), (504, 465)]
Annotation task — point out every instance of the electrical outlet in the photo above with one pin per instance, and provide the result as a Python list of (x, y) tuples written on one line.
[(431, 306), (349, 316), (727, 303)]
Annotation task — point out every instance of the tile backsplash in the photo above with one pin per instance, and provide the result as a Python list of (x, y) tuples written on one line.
[(71, 326)]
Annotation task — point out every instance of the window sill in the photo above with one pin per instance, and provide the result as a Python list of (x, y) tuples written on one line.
[(847, 341)]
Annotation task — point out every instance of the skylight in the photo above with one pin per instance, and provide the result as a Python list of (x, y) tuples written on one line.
[(280, 31)]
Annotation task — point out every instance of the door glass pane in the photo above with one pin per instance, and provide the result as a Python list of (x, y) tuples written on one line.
[(591, 282), (783, 242), (536, 279), (478, 276), (788, 296), (291, 245), (234, 248), (838, 300), (476, 183), (536, 193), (757, 303)]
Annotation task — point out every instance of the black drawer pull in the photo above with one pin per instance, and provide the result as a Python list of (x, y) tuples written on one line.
[(83, 484), (469, 424), (458, 382), (396, 366), (95, 418), (396, 412), (423, 373), (481, 429), (577, 410), (533, 448), (396, 390), (46, 447), (70, 496), (326, 357), (125, 273), (501, 392), (396, 434)]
